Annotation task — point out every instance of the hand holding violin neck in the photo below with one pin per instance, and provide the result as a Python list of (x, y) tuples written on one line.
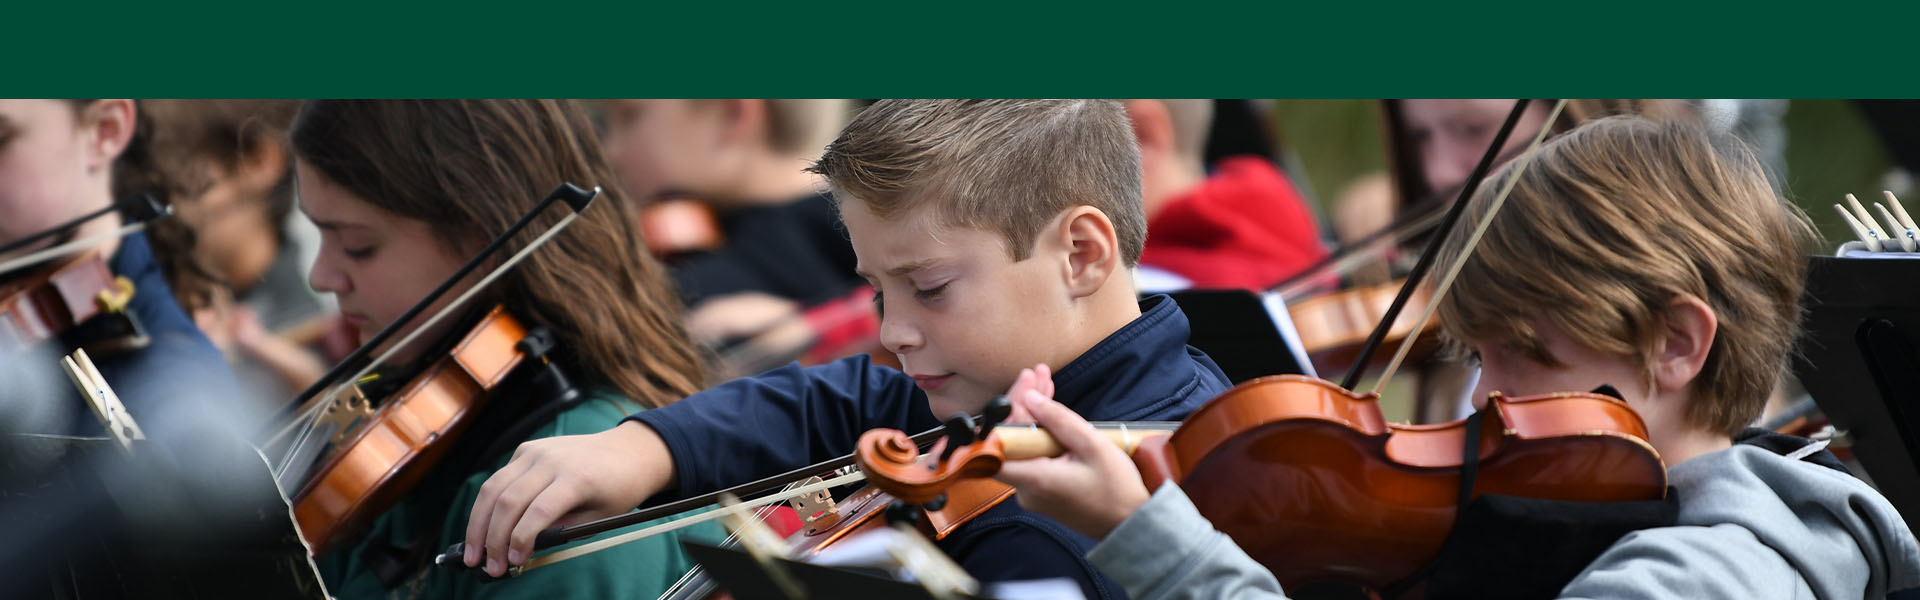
[(1026, 442), (894, 464)]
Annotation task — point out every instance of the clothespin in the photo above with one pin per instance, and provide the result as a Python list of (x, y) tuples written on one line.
[(1905, 236), (1905, 221), (1860, 210), (1859, 229), (100, 397)]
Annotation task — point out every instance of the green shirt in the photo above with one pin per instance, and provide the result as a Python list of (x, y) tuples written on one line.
[(641, 569)]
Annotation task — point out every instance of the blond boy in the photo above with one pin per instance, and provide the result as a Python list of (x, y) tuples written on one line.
[(997, 234)]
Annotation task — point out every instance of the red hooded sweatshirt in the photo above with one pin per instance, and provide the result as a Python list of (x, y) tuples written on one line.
[(1244, 227)]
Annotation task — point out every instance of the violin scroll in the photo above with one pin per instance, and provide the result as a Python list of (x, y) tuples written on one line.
[(892, 462)]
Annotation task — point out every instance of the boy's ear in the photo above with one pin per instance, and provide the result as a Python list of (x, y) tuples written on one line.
[(746, 120), (1093, 249), (1685, 339), (108, 125)]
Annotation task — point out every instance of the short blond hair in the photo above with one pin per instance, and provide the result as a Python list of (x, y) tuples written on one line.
[(1004, 166), (1615, 219)]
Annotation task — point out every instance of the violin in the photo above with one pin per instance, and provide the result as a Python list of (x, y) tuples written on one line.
[(1313, 483), (80, 301), (397, 445), (376, 457), (61, 301), (1334, 326)]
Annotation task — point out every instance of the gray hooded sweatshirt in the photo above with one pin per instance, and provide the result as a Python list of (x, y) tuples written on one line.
[(1752, 524)]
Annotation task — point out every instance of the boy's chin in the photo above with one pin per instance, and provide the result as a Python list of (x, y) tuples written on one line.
[(951, 399)]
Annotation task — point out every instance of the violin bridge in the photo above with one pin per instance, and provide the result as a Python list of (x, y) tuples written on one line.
[(817, 510), (348, 407)]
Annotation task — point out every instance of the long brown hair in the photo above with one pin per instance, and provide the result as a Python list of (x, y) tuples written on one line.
[(1403, 159), (472, 167)]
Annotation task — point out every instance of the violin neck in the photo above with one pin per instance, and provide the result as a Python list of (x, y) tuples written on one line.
[(1023, 442)]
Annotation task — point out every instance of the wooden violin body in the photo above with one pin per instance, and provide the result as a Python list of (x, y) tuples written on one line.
[(393, 448), (1334, 326), (1314, 484), (49, 303)]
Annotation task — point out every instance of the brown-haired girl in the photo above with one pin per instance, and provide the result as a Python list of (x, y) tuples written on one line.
[(405, 192)]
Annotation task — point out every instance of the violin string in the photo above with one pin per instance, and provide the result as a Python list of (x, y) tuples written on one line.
[(1473, 240), (595, 546), (310, 423), (46, 254), (1424, 264), (1358, 253), (686, 578)]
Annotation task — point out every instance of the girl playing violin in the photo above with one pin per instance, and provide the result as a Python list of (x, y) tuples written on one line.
[(1654, 258), (404, 193)]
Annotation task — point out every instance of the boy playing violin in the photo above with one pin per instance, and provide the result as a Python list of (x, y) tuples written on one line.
[(997, 234), (1651, 257)]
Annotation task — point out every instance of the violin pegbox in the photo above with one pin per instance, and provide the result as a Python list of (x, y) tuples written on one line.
[(893, 463)]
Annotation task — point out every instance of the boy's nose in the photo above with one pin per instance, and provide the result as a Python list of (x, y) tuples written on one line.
[(898, 336)]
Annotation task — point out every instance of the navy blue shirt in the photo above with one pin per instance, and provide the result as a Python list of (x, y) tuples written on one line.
[(791, 417), (193, 473), (179, 375)]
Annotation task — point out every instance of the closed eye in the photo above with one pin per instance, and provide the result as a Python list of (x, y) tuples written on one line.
[(931, 294)]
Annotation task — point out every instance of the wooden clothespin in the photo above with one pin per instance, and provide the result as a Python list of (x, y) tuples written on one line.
[(1859, 229), (1886, 243), (100, 397), (1901, 219), (1901, 235)]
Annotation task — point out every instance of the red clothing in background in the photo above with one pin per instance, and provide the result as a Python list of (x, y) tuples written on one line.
[(1244, 227)]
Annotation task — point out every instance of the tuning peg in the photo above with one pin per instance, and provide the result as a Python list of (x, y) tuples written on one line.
[(959, 433), (993, 414)]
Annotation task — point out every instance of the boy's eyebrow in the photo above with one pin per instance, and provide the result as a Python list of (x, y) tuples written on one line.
[(918, 265)]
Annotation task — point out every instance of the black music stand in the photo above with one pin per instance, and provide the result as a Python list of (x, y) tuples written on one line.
[(745, 579), (1236, 330), (1860, 361)]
